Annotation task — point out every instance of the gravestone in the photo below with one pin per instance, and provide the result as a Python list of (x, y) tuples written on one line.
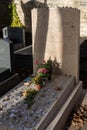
[(16, 35), (24, 60), (6, 54), (55, 34)]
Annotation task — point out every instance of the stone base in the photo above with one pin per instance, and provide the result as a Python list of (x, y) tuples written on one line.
[(62, 115), (51, 107)]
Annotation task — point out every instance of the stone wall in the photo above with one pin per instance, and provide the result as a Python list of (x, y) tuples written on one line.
[(28, 5), (83, 18), (58, 39), (24, 8), (51, 3)]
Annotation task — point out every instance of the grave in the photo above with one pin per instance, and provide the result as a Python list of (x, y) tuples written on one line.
[(16, 35), (49, 101), (22, 54), (24, 59), (6, 66), (57, 39)]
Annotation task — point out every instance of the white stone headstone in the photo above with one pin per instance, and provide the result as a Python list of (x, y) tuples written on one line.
[(55, 33)]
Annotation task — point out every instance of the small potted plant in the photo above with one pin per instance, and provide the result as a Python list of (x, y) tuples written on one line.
[(38, 82)]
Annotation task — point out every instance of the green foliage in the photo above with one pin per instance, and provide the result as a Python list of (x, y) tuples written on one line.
[(47, 65), (37, 80), (31, 93), (13, 16)]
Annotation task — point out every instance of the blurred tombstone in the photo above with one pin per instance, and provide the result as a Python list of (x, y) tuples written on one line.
[(16, 35), (6, 55)]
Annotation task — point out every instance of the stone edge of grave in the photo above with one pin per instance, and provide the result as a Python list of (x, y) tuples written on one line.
[(10, 81), (82, 103), (62, 116), (56, 105)]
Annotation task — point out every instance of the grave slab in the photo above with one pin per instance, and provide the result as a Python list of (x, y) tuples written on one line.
[(61, 117), (14, 112)]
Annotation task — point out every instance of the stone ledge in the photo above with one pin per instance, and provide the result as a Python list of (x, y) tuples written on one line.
[(9, 83), (61, 117), (56, 106)]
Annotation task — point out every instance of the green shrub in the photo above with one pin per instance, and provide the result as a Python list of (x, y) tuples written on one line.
[(13, 16)]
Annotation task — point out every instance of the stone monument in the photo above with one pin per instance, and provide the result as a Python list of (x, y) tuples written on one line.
[(55, 34), (6, 54), (16, 35)]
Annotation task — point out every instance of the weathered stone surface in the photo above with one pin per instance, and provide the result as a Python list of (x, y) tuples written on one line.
[(14, 112), (62, 115), (57, 38)]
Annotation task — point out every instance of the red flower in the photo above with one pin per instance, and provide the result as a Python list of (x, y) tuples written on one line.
[(42, 70)]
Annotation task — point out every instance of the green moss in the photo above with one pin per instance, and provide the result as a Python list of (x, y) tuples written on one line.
[(13, 16)]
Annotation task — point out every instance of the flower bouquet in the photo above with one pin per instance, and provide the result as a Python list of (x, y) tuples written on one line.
[(44, 69)]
